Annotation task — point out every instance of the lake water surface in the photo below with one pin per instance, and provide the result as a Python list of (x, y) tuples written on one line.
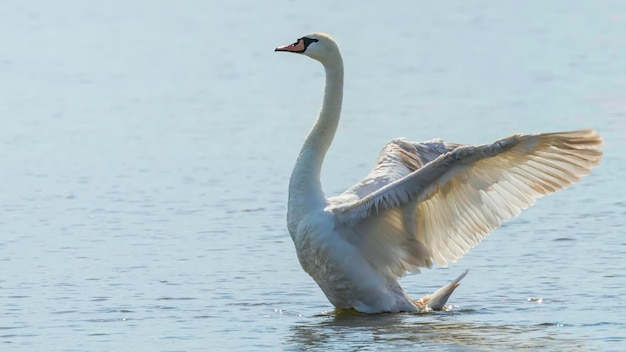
[(146, 149)]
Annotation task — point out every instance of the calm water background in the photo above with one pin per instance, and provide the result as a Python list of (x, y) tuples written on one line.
[(146, 148)]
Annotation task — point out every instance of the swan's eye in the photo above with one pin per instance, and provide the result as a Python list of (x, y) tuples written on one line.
[(307, 41)]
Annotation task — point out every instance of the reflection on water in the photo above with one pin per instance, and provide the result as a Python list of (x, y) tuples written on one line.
[(354, 331)]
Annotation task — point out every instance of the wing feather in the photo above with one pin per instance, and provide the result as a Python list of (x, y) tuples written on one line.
[(438, 200)]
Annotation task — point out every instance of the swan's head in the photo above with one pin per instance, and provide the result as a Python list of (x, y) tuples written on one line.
[(318, 46)]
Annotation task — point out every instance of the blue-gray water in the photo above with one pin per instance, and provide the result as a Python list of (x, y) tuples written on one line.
[(146, 147)]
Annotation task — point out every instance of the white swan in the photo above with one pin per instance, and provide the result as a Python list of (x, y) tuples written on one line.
[(421, 203)]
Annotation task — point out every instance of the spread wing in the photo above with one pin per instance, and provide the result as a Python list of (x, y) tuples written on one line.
[(432, 202), (397, 159)]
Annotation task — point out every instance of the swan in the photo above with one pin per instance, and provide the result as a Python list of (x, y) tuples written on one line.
[(422, 203)]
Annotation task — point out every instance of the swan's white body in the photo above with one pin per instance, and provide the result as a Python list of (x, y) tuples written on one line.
[(423, 202)]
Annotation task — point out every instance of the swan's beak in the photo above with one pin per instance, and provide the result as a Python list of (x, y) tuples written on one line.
[(297, 47)]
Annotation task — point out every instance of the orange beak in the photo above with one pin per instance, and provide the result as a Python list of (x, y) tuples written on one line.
[(297, 47)]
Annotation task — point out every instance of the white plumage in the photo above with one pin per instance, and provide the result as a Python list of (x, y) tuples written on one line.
[(423, 202)]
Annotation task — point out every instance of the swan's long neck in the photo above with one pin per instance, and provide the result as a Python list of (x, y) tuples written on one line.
[(305, 189)]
